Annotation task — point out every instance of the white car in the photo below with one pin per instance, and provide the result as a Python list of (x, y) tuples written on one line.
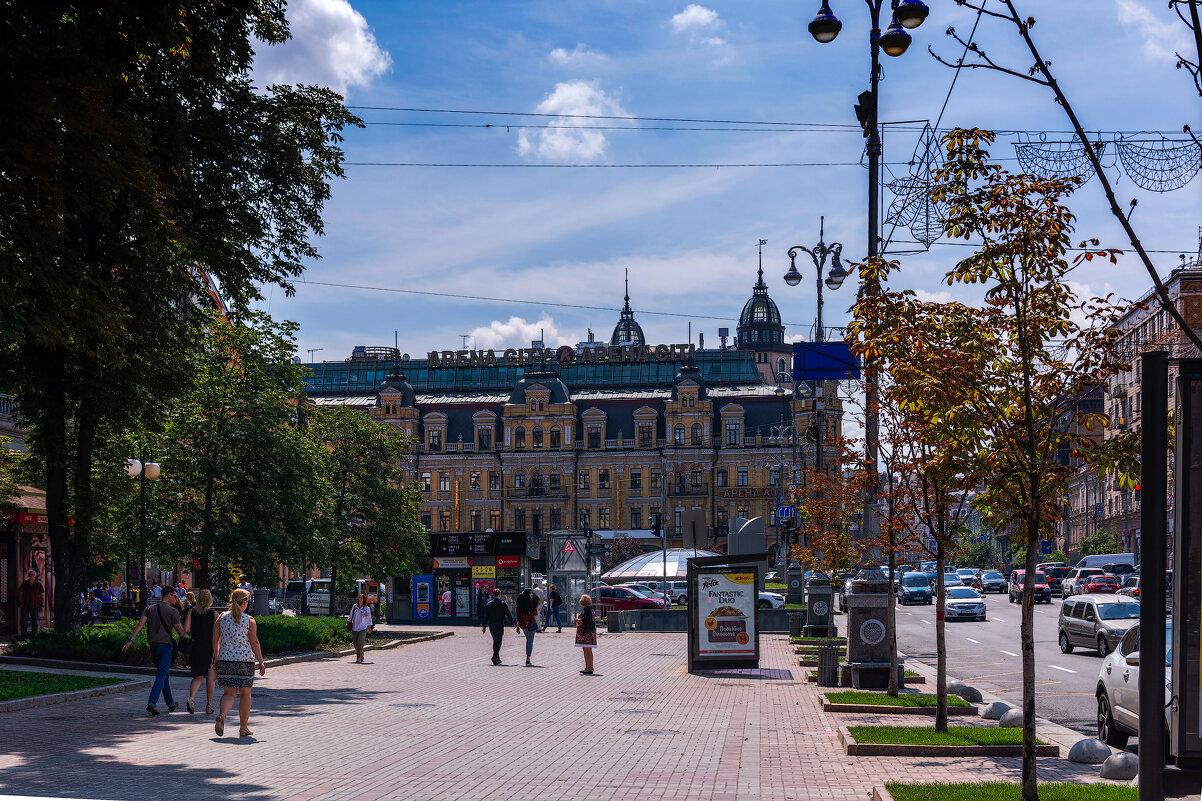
[(772, 600), (1118, 689), (964, 603)]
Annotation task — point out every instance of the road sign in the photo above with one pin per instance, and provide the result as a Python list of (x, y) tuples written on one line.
[(1045, 546), (568, 547), (786, 511)]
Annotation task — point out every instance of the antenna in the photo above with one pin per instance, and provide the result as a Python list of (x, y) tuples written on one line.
[(312, 351), (464, 338)]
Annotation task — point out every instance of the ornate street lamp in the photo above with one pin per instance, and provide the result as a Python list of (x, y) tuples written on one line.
[(143, 471)]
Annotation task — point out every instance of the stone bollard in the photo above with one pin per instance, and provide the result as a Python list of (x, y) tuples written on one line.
[(995, 710), (1123, 766), (1089, 751), (1011, 719)]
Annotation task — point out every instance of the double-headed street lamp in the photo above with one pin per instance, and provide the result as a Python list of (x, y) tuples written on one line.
[(894, 41), (819, 254), (143, 471)]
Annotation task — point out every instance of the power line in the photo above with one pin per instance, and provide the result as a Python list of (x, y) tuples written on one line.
[(518, 125), (609, 166)]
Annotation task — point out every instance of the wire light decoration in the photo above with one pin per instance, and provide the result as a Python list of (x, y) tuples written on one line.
[(1152, 161), (912, 206)]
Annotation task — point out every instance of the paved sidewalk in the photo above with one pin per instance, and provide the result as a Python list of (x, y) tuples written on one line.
[(435, 721)]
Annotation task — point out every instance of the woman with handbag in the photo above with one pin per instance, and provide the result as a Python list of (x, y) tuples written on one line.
[(586, 633), (235, 651), (359, 622), (527, 623), (200, 621)]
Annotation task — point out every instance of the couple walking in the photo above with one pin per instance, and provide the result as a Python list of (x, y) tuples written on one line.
[(497, 617)]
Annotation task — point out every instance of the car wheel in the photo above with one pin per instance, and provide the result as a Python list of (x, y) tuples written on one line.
[(1103, 646), (682, 600), (1066, 647), (1108, 732), (765, 604)]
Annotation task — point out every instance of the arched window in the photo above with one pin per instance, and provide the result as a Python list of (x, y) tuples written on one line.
[(780, 366), (679, 435), (519, 480), (696, 433), (519, 438), (538, 437)]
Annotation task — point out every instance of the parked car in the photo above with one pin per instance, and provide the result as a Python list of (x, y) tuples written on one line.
[(1103, 584), (1056, 576), (308, 596), (772, 600), (677, 591), (1118, 689), (1096, 621), (966, 574), (644, 589), (1039, 587), (1074, 582), (914, 589), (622, 599), (964, 603), (989, 581)]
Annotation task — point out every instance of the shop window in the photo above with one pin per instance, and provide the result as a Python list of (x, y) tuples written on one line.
[(696, 433), (555, 438), (720, 477), (538, 437), (494, 480), (494, 519), (732, 433), (474, 480), (475, 520), (679, 435), (586, 519), (646, 436), (743, 477), (636, 518), (556, 521), (519, 519), (425, 482), (519, 438), (444, 521), (484, 439), (636, 479), (603, 479), (603, 517), (657, 480), (434, 437)]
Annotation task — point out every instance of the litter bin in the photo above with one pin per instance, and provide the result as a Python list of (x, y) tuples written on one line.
[(828, 663), (796, 618), (262, 607)]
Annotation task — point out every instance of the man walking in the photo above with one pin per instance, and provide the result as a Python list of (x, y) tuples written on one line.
[(160, 620), (29, 597), (496, 618), (554, 601)]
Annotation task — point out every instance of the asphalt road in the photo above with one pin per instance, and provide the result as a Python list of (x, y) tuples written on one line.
[(987, 656)]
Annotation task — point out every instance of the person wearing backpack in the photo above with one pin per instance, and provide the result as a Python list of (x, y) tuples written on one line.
[(160, 620)]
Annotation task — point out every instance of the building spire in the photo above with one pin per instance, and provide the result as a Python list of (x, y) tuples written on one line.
[(759, 284), (627, 307)]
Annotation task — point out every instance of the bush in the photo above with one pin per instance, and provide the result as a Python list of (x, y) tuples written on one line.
[(279, 633)]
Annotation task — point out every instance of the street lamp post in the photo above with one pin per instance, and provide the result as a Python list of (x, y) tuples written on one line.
[(894, 41), (143, 471)]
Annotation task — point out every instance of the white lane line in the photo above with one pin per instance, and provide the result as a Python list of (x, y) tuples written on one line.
[(970, 639), (911, 614), (998, 619), (1057, 667), (924, 620), (1009, 653), (1039, 611)]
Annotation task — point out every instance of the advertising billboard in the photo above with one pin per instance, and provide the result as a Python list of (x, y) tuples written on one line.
[(723, 613)]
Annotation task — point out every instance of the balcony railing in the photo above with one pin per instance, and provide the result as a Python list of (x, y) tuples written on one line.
[(8, 407), (687, 490), (536, 493)]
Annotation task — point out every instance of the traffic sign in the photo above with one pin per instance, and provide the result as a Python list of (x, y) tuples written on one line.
[(786, 511), (1045, 546), (568, 547)]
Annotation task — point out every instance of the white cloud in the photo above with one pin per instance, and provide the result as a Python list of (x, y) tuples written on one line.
[(1162, 36), (331, 45), (695, 18), (517, 332), (565, 140), (580, 57)]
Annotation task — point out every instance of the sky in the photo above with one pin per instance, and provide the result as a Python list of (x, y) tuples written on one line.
[(523, 248)]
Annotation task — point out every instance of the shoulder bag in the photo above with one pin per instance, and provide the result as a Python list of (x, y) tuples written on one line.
[(184, 646)]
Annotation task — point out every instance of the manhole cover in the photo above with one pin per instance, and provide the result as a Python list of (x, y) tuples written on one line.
[(635, 711), (411, 706), (652, 732), (629, 699)]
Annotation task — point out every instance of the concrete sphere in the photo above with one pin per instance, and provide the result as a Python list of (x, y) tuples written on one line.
[(1122, 766), (1011, 719), (995, 710), (970, 694), (1089, 751)]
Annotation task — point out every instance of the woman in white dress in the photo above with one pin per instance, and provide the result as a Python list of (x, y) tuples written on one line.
[(235, 652)]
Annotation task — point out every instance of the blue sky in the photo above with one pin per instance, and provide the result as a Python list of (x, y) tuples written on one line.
[(687, 235)]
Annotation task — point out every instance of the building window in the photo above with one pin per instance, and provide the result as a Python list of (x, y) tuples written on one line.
[(796, 478), (603, 517), (555, 438), (519, 438), (519, 480), (426, 520), (732, 433), (679, 435), (603, 479), (494, 519), (582, 481), (636, 479), (556, 522), (695, 478), (743, 513), (594, 438), (435, 439), (484, 438), (696, 433), (780, 366), (494, 480), (585, 519), (720, 477), (646, 437), (742, 477), (554, 482), (772, 518), (722, 517), (444, 521), (636, 518), (519, 519), (534, 406), (538, 437), (425, 482), (657, 480), (678, 482), (474, 480), (774, 477), (444, 482), (475, 520), (536, 484), (676, 522)]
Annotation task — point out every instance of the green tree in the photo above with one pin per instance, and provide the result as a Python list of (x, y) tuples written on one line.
[(137, 159), (1101, 542), (369, 519), (975, 554)]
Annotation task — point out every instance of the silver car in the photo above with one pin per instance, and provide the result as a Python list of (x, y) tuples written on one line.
[(1118, 689), (964, 603), (1096, 621)]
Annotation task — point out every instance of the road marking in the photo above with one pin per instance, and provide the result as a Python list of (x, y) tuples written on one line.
[(924, 620), (998, 619), (1057, 667), (1039, 611), (1009, 653), (970, 639), (911, 614)]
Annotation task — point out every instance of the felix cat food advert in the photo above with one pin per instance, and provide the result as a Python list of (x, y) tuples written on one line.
[(726, 607)]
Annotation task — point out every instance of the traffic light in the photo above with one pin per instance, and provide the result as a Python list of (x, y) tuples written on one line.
[(865, 112)]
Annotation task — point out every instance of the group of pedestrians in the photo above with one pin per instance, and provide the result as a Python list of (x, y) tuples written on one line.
[(222, 651), (496, 617)]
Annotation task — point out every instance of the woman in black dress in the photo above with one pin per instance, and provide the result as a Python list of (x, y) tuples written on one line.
[(200, 622)]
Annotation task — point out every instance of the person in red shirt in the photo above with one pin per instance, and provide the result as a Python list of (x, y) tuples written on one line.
[(30, 596)]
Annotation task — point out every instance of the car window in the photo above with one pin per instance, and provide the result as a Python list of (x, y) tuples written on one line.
[(1078, 611), (1040, 578), (962, 592), (1089, 613), (991, 576), (1118, 611), (919, 580), (1130, 642), (1066, 608)]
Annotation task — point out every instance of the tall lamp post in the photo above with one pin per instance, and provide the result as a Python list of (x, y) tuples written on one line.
[(143, 471), (894, 41)]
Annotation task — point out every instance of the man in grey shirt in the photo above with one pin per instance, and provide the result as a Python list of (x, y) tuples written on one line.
[(160, 620)]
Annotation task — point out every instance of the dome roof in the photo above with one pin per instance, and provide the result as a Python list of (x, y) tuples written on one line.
[(396, 382), (651, 565), (548, 378), (689, 371), (760, 309), (627, 331)]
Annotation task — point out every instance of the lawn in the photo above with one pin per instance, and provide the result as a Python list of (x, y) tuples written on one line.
[(23, 684), (926, 735), (903, 699), (1000, 791), (775, 585)]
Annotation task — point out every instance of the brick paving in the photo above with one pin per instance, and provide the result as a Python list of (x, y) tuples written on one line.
[(435, 721)]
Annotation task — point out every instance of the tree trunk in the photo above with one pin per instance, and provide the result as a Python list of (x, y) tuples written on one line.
[(940, 640), (1030, 787), (891, 617)]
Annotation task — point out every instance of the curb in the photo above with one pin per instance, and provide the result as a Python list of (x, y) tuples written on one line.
[(886, 709), (881, 794), (36, 701), (852, 748)]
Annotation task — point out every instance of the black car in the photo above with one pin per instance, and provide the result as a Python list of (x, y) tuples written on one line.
[(989, 581), (1056, 577)]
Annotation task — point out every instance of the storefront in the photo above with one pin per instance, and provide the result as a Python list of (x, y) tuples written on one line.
[(24, 546), (464, 568)]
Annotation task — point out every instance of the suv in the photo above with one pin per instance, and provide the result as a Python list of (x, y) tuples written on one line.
[(1096, 621), (1074, 582), (677, 591), (1056, 576), (1039, 587), (1118, 689), (914, 588)]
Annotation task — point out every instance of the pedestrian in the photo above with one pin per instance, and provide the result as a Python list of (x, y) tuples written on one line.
[(235, 652), (201, 619), (554, 602), (30, 596), (586, 633), (496, 618), (359, 622), (527, 623), (160, 620), (244, 584), (156, 592), (481, 602)]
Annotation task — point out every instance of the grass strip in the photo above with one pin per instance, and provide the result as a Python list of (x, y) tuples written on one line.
[(1002, 791), (884, 699), (926, 735), (16, 684)]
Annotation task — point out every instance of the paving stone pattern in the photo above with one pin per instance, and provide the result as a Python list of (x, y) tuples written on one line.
[(435, 721)]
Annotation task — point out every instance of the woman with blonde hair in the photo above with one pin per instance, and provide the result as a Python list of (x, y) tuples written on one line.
[(235, 652), (200, 621), (586, 633)]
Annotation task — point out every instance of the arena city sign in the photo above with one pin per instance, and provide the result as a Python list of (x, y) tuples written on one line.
[(563, 356)]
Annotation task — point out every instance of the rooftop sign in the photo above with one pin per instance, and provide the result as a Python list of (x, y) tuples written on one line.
[(563, 356)]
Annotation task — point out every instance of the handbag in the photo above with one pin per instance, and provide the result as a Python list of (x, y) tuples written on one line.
[(585, 638)]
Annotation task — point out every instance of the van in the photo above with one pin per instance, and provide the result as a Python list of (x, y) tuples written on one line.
[(1096, 621), (1102, 559), (308, 596)]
